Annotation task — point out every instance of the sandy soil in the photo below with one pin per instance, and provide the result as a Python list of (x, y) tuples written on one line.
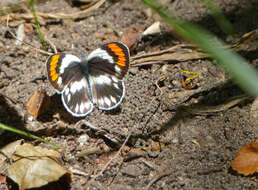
[(197, 149)]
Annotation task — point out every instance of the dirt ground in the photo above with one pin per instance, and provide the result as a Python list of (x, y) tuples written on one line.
[(179, 149)]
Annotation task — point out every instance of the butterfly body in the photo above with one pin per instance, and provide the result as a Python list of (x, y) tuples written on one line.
[(94, 81)]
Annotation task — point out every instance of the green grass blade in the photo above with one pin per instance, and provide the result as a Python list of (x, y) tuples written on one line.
[(236, 66), (8, 128), (41, 36)]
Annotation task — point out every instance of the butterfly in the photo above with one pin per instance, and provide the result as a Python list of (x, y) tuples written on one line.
[(94, 81)]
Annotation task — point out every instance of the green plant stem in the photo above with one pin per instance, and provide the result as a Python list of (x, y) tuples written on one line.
[(41, 36), (8, 128)]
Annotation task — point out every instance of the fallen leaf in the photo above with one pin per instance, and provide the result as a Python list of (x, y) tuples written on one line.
[(6, 153), (34, 166), (38, 103), (246, 161), (130, 37)]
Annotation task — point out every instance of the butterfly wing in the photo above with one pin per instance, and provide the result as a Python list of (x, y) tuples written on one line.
[(75, 96), (111, 58), (66, 76), (107, 91), (60, 69), (107, 67)]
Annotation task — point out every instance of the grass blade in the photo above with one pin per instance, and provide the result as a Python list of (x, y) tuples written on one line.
[(8, 128), (41, 36)]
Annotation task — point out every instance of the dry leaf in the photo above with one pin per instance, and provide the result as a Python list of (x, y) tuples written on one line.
[(130, 37), (6, 153), (246, 161), (34, 166), (38, 103)]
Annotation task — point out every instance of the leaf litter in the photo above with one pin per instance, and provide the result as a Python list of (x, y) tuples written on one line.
[(168, 59), (36, 166), (246, 160)]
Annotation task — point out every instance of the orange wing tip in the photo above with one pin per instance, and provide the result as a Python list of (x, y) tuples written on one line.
[(119, 52)]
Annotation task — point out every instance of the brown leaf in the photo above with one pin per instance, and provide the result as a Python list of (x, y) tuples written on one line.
[(246, 161), (130, 37), (38, 103), (34, 166)]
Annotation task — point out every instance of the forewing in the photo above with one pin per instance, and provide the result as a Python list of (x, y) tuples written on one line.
[(61, 68), (76, 96), (111, 58)]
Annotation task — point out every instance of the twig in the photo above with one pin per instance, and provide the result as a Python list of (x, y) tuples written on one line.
[(164, 174), (148, 164), (77, 15), (99, 131), (78, 172), (91, 126), (207, 171), (117, 154), (176, 53)]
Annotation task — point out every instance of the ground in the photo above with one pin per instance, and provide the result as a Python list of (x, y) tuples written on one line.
[(188, 150)]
